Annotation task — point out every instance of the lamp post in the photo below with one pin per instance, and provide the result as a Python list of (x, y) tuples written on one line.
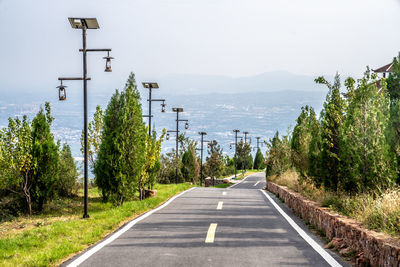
[(84, 24), (150, 86), (201, 157), (258, 142), (245, 159), (236, 135), (177, 110)]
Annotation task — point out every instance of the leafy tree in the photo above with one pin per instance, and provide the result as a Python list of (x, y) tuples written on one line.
[(16, 162), (314, 154), (46, 158), (332, 117), (122, 154), (393, 133), (367, 161), (187, 165), (152, 158), (393, 81), (259, 161), (167, 173), (278, 155), (94, 136), (243, 150), (68, 175), (214, 161), (301, 138)]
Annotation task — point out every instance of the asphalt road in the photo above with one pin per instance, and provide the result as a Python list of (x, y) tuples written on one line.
[(237, 226)]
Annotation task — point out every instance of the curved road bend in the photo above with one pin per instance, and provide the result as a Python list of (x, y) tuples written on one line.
[(237, 226)]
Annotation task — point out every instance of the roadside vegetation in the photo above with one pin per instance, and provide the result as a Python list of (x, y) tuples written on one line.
[(348, 158), (215, 165)]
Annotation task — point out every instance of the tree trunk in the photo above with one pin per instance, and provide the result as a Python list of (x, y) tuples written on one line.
[(27, 194)]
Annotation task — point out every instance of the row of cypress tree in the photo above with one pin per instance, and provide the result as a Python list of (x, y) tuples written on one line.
[(354, 144)]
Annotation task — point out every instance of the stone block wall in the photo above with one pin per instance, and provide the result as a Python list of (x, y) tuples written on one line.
[(371, 248), (209, 182)]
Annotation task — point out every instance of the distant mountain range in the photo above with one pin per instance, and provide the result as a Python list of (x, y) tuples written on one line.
[(266, 82)]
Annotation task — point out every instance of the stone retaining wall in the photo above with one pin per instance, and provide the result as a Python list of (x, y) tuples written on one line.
[(209, 181), (370, 248)]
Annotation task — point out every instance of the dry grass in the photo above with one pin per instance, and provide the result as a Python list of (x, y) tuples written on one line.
[(379, 213)]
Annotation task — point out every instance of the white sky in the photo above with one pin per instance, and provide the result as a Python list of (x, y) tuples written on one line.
[(221, 37)]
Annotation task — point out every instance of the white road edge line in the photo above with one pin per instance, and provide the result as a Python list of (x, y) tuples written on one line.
[(328, 258), (211, 233), (224, 193), (114, 236), (219, 206), (256, 183), (240, 181)]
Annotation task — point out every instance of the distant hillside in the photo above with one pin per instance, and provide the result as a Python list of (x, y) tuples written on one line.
[(266, 82)]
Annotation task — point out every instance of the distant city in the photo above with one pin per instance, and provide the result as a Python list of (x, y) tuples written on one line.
[(259, 113)]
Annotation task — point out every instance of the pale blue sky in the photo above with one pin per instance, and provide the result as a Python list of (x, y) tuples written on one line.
[(220, 37)]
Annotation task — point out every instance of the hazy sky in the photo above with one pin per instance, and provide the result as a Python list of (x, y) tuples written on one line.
[(221, 37)]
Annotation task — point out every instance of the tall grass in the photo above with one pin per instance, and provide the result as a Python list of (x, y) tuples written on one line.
[(376, 212)]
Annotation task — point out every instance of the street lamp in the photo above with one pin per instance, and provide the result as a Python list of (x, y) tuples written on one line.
[(236, 133), (258, 142), (62, 93), (201, 157), (150, 86), (245, 159), (177, 110), (84, 24)]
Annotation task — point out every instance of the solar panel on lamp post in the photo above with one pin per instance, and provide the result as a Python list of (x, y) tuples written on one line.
[(84, 24), (151, 86)]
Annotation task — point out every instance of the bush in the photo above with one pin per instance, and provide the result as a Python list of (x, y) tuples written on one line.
[(68, 177)]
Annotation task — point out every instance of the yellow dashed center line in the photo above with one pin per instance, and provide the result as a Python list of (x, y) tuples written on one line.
[(211, 233), (219, 206)]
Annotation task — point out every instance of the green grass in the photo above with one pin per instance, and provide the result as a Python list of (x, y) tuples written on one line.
[(223, 185), (247, 173), (50, 238)]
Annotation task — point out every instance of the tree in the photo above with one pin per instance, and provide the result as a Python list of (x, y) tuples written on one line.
[(190, 166), (16, 162), (301, 138), (214, 162), (68, 172), (393, 133), (243, 150), (152, 158), (94, 136), (278, 155), (46, 158), (332, 117), (393, 81), (259, 161), (167, 171), (314, 154), (367, 160), (122, 154)]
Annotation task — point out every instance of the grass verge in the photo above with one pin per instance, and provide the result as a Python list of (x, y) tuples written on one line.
[(380, 213), (50, 238), (222, 185), (247, 173)]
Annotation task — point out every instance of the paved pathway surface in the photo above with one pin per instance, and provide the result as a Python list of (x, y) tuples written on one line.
[(237, 226)]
